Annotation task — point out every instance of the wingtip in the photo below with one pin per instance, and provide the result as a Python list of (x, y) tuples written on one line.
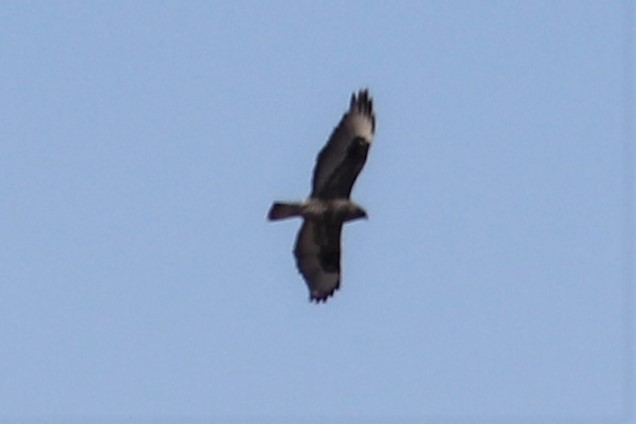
[(362, 102), (318, 300), (362, 96), (321, 297)]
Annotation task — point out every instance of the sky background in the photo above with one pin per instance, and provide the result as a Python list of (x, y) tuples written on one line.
[(142, 143)]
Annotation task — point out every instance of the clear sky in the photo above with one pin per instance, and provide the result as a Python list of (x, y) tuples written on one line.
[(142, 143)]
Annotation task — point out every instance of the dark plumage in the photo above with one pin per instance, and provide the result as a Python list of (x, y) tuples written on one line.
[(338, 164)]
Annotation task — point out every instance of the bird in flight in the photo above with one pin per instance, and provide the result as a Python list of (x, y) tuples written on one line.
[(328, 207)]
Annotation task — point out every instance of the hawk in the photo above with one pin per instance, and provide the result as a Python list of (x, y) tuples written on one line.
[(338, 164)]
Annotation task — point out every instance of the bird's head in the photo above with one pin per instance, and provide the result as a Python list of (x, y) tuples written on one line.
[(357, 212)]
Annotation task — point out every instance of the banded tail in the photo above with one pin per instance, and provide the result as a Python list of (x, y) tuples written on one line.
[(280, 210)]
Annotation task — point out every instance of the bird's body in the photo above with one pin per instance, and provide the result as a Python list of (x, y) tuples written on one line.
[(332, 210), (317, 248)]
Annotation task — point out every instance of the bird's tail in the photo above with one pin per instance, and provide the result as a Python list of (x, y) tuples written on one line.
[(280, 210)]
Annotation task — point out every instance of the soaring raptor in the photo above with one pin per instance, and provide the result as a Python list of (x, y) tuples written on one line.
[(338, 164)]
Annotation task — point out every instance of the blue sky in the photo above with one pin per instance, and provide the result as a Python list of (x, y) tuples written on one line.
[(142, 144)]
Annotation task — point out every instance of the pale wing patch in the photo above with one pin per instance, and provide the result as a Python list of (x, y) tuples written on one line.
[(360, 126)]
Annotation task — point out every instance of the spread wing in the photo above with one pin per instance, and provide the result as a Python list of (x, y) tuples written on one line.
[(341, 160), (317, 254)]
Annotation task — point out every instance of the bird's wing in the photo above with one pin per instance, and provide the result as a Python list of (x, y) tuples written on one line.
[(341, 160), (317, 254)]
